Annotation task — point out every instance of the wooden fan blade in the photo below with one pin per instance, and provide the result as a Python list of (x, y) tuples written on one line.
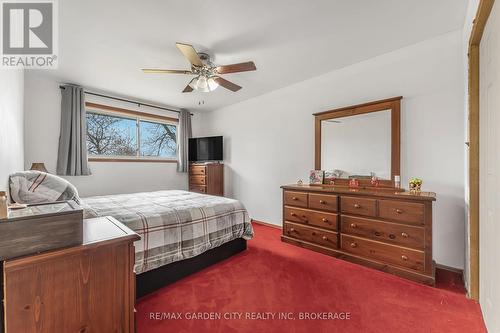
[(165, 71), (227, 84), (190, 53), (236, 68), (187, 89)]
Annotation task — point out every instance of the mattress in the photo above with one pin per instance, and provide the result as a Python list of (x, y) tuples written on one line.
[(173, 225)]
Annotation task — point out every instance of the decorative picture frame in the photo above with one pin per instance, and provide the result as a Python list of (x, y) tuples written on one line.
[(316, 177)]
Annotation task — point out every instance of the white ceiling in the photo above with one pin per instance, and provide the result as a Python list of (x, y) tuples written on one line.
[(103, 44)]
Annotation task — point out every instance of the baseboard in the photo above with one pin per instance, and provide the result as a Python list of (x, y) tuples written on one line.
[(450, 269), (267, 224)]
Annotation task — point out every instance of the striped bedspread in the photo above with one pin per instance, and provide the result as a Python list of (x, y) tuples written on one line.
[(173, 225)]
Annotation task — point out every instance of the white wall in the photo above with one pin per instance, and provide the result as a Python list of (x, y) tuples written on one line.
[(11, 124), (42, 107), (269, 139)]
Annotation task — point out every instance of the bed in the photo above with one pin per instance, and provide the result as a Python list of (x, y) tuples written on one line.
[(175, 226), (181, 232)]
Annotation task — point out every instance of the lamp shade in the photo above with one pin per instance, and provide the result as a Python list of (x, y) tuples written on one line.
[(38, 167), (212, 83)]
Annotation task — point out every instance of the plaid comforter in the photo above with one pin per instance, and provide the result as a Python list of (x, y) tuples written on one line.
[(173, 225)]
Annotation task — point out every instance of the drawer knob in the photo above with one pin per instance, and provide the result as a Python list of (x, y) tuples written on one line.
[(399, 211), (293, 214), (354, 244), (322, 202), (354, 225), (392, 236), (404, 234), (325, 220), (314, 233), (295, 198), (377, 233), (357, 206), (405, 258), (292, 229), (325, 238)]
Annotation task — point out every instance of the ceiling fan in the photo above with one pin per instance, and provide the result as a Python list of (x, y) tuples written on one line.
[(207, 74)]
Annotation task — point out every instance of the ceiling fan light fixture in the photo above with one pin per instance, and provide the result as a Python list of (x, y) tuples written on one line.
[(194, 83), (203, 84), (212, 83), (207, 74)]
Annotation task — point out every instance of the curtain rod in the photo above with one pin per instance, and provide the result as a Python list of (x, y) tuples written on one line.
[(128, 101)]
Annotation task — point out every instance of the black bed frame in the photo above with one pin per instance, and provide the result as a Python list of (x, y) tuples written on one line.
[(162, 276)]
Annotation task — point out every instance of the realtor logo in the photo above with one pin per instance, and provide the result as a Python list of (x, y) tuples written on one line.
[(28, 34)]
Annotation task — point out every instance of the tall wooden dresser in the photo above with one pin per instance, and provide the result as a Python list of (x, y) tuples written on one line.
[(379, 228), (207, 178)]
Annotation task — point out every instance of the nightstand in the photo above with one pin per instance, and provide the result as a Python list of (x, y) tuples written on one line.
[(84, 288)]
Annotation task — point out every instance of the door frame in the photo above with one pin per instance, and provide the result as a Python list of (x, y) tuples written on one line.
[(479, 24)]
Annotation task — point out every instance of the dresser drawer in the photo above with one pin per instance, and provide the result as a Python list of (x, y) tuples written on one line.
[(198, 188), (314, 218), (298, 199), (384, 231), (392, 254), (358, 206), (197, 180), (323, 202), (310, 234), (407, 212), (197, 170)]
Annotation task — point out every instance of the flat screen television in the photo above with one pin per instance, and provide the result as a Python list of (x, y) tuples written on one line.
[(206, 149)]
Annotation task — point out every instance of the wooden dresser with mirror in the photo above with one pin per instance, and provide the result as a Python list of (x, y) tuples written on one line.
[(373, 224)]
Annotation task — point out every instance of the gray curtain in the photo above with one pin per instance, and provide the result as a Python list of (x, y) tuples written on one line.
[(185, 133), (72, 154)]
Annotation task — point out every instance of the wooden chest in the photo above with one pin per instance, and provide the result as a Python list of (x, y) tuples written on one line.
[(379, 228), (39, 228)]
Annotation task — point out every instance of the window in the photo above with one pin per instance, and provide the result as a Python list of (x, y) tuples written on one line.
[(131, 135), (158, 139)]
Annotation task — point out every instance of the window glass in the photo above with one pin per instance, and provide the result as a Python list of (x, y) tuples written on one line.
[(158, 139), (111, 135)]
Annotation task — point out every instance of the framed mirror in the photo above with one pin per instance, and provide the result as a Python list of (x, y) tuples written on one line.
[(360, 141)]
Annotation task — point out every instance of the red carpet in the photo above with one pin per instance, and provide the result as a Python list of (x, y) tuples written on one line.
[(272, 277)]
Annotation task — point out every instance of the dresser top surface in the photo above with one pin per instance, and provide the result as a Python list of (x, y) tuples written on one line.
[(42, 210), (377, 192), (96, 232), (105, 229)]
